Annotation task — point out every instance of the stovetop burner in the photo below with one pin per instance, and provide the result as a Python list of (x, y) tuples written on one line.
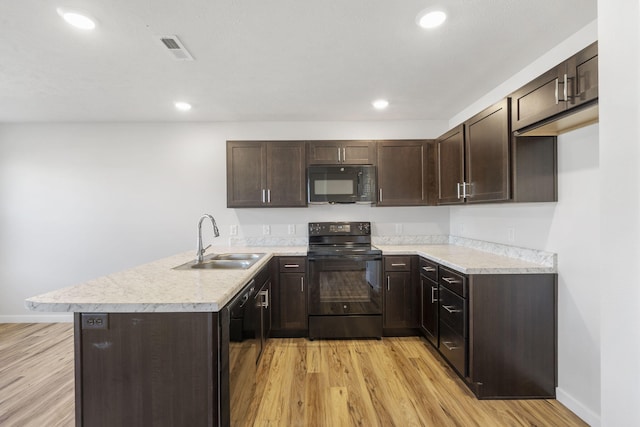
[(341, 239)]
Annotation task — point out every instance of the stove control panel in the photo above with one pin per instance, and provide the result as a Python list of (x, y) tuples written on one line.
[(339, 228)]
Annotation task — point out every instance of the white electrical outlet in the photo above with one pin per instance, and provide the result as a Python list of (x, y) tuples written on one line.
[(292, 229), (266, 229), (233, 230), (511, 234)]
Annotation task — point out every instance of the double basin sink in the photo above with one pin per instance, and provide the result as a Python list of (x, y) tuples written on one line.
[(231, 261)]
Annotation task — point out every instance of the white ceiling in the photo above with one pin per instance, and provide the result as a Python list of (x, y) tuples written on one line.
[(261, 60)]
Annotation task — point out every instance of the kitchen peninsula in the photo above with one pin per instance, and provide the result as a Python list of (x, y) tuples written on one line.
[(150, 341)]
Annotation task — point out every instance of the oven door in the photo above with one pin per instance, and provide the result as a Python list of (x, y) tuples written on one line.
[(343, 285)]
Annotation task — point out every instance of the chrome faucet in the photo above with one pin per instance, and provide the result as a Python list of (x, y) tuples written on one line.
[(215, 232)]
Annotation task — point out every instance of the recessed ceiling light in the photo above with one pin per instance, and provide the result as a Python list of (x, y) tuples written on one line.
[(430, 19), (380, 104), (77, 18), (183, 106)]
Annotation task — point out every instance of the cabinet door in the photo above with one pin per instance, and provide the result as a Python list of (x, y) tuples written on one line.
[(541, 98), (246, 162), (450, 166), (397, 300), (286, 174), (487, 154), (429, 309), (324, 153), (358, 152), (405, 172), (583, 71), (293, 301)]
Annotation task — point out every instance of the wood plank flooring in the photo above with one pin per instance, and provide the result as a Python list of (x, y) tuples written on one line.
[(392, 382)]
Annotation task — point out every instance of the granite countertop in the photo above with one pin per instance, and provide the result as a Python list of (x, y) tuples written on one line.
[(472, 261), (156, 287)]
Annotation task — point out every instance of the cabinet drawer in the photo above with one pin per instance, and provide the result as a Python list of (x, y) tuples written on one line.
[(453, 281), (452, 311), (292, 264), (397, 263), (429, 269), (454, 348)]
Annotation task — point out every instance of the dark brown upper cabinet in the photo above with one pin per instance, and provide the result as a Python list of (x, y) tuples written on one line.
[(450, 161), (571, 84), (487, 136), (341, 152), (473, 159), (406, 172), (266, 174)]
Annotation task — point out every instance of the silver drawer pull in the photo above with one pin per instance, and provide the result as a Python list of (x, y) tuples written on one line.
[(450, 345), (429, 269), (451, 280), (400, 264), (291, 265), (451, 308), (302, 284), (434, 299)]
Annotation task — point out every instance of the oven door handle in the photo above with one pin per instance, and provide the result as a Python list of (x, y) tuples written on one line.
[(345, 257)]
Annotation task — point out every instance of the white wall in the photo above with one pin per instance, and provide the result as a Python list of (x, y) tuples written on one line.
[(619, 80), (569, 228), (78, 201)]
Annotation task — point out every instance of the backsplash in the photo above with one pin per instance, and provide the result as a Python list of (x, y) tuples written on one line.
[(525, 254)]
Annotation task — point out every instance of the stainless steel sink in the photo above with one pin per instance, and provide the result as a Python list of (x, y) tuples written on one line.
[(231, 261)]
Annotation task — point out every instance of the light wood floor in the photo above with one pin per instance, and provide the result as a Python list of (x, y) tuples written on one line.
[(393, 382)]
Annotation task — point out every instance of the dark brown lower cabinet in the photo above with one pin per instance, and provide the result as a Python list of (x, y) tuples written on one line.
[(146, 369), (290, 308), (400, 296), (512, 335), (499, 332)]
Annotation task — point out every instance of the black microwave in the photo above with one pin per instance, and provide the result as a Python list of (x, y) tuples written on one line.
[(341, 184)]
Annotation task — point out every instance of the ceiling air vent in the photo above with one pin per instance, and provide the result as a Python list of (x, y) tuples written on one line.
[(177, 49)]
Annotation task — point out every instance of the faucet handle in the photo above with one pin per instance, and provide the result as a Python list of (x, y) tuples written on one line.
[(204, 249)]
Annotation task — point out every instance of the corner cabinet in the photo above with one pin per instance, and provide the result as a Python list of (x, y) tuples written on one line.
[(266, 174), (473, 159), (571, 84), (406, 173)]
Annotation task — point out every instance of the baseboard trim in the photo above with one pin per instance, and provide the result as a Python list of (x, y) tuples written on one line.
[(37, 318), (575, 406)]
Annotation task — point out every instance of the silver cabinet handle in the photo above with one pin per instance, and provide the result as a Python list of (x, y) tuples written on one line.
[(452, 309), (264, 197), (433, 294), (344, 154), (380, 191), (339, 159), (450, 280), (450, 345), (388, 283), (291, 265), (265, 301), (458, 187), (400, 264), (302, 284), (464, 190), (429, 269), (269, 195), (565, 90)]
